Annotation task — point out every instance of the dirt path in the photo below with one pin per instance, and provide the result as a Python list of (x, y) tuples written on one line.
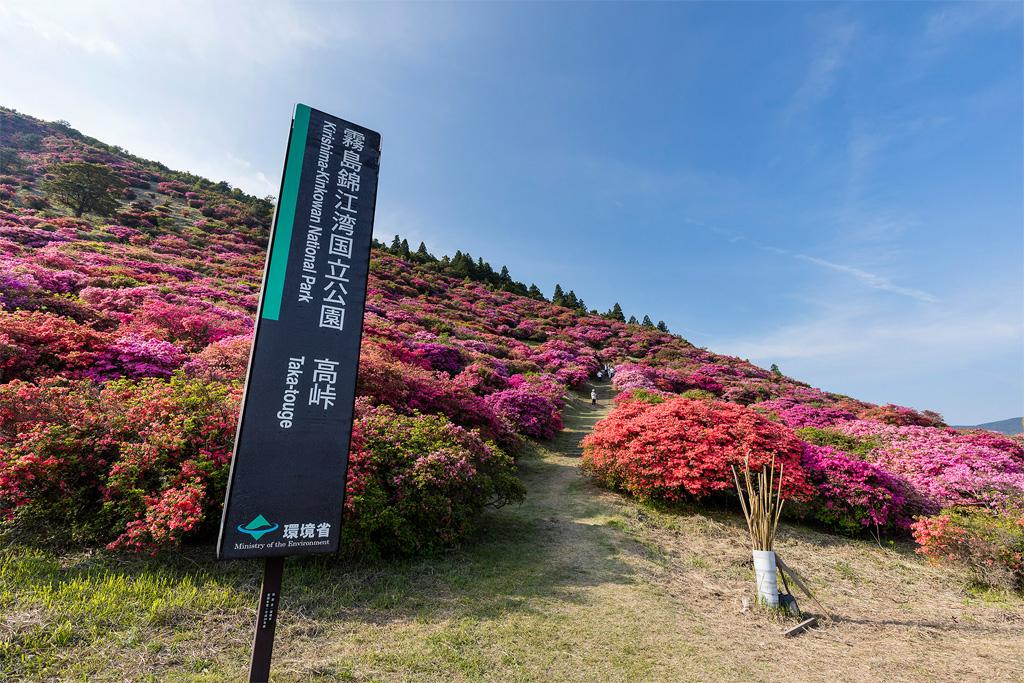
[(896, 618)]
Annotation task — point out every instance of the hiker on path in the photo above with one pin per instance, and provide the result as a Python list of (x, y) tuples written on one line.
[(593, 397)]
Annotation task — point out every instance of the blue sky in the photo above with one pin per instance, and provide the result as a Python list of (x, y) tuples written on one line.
[(836, 188)]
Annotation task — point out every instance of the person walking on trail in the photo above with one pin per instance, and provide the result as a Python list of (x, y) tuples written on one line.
[(593, 397)]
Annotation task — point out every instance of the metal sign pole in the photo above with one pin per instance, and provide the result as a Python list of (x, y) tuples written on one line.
[(266, 620)]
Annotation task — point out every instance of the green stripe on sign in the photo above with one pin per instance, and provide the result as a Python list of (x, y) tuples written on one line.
[(286, 215)]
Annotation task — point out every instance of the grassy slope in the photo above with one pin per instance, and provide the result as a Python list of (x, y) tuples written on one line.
[(575, 584)]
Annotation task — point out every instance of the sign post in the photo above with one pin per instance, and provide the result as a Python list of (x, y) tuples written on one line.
[(286, 488)]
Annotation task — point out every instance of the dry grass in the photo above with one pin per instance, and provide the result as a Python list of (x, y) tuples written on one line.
[(577, 584)]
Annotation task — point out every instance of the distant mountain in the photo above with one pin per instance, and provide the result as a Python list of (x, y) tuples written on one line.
[(1011, 426)]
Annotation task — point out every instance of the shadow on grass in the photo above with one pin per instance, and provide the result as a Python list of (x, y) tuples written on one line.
[(947, 626)]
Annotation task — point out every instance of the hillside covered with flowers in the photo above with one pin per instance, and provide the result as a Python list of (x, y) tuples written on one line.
[(124, 340)]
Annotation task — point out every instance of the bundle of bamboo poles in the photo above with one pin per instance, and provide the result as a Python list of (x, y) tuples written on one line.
[(762, 503)]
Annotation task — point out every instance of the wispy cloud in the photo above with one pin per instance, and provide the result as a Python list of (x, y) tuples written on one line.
[(896, 356), (949, 27), (872, 280), (864, 277), (820, 79), (955, 20), (49, 23), (861, 333)]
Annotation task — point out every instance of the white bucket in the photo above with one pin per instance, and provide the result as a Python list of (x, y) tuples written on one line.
[(766, 577)]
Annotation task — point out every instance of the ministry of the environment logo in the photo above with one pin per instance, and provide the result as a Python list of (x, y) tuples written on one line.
[(258, 527)]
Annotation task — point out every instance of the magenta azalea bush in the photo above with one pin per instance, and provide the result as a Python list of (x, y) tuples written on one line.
[(134, 356), (853, 494), (530, 412), (795, 414)]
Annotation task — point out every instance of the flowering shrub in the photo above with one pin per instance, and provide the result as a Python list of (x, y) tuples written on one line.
[(686, 448), (531, 413), (901, 416), (136, 356), (115, 463), (222, 360), (851, 494), (944, 467), (35, 344), (989, 543), (633, 376), (794, 414), (439, 357), (417, 482)]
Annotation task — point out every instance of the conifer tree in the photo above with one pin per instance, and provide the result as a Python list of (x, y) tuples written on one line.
[(632, 320), (558, 298), (647, 321), (535, 293), (396, 245), (662, 326), (422, 254), (616, 313), (405, 253)]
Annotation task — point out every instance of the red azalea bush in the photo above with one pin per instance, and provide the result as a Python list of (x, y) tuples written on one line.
[(989, 543), (224, 360), (418, 482), (37, 344), (684, 448), (137, 464)]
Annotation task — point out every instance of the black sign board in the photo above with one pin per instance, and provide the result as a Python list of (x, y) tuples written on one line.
[(286, 489)]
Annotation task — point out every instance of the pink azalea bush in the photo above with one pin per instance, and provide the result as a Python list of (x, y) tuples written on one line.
[(795, 414), (944, 467), (134, 355)]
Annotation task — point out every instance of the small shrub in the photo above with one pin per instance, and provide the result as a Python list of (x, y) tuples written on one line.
[(861, 446), (418, 482), (699, 395), (989, 543), (649, 396), (901, 416)]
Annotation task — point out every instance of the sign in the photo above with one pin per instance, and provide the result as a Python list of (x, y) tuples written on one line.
[(287, 483)]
